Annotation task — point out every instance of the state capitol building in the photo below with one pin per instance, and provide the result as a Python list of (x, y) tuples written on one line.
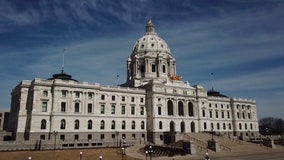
[(153, 105)]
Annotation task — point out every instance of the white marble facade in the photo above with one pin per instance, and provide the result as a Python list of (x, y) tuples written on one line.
[(153, 105)]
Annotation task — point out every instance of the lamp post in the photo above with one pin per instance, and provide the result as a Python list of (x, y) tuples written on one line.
[(55, 134), (122, 153), (150, 151), (207, 156), (81, 153), (146, 153), (100, 157), (266, 130), (117, 133)]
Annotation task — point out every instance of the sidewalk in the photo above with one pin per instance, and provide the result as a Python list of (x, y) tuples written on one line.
[(133, 152)]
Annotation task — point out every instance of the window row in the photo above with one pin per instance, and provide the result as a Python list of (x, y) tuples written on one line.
[(77, 108), (90, 136), (244, 115), (223, 114), (77, 94), (222, 105), (123, 98), (90, 124), (180, 107), (218, 127), (245, 126)]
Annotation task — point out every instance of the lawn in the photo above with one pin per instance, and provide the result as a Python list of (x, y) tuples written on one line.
[(74, 154)]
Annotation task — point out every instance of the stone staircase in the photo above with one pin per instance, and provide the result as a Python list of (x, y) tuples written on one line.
[(226, 144)]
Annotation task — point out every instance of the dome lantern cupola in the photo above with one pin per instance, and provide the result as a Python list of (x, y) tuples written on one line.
[(150, 28)]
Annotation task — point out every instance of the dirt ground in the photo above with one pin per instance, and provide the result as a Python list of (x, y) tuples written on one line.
[(87, 154)]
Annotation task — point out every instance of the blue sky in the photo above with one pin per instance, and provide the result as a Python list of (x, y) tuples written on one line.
[(240, 41)]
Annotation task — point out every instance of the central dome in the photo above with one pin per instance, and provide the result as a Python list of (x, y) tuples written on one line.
[(151, 59), (150, 43)]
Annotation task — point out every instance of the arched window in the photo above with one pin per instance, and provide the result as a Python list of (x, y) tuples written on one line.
[(170, 108), (218, 126), (142, 125), (62, 124), (246, 126), (77, 123), (102, 124), (160, 125), (240, 126), (113, 124), (43, 124), (230, 126), (205, 126), (212, 126), (190, 109), (123, 125), (224, 126), (90, 124), (133, 124), (180, 108), (182, 127), (251, 126)]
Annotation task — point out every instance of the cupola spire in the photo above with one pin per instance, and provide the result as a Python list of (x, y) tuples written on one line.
[(150, 28)]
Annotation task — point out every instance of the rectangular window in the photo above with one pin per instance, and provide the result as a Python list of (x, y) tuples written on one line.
[(132, 99), (141, 100), (210, 114), (113, 109), (216, 114), (90, 108), (102, 136), (102, 97), (63, 94), (159, 111), (141, 110), (164, 69), (62, 137), (42, 137), (123, 98), (228, 115), (77, 107), (223, 116), (76, 137), (113, 98), (102, 109), (44, 107), (90, 136), (77, 94), (45, 93), (153, 68), (133, 136), (132, 110), (90, 95), (63, 106), (203, 113), (123, 110)]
